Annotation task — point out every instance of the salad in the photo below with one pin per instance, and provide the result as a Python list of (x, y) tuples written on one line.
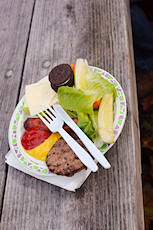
[(91, 101), (85, 95)]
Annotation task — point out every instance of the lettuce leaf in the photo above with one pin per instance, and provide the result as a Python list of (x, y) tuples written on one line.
[(95, 82), (77, 100), (72, 114), (94, 119), (85, 124)]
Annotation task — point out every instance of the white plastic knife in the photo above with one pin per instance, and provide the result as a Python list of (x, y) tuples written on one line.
[(95, 152)]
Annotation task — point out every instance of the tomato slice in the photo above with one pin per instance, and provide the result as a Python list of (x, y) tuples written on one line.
[(33, 137)]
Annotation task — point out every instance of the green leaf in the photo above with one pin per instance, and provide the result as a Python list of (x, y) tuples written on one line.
[(86, 125), (77, 100), (94, 119), (72, 114), (95, 82)]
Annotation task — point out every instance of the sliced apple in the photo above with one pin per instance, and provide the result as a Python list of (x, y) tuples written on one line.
[(81, 68), (105, 119)]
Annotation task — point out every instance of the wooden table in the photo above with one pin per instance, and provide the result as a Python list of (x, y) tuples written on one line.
[(61, 31)]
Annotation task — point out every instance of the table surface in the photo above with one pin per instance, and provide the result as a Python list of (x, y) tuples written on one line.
[(61, 31)]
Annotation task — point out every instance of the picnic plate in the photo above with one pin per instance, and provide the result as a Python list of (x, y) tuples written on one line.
[(16, 128)]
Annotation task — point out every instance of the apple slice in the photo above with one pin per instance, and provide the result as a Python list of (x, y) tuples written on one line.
[(81, 68), (105, 119)]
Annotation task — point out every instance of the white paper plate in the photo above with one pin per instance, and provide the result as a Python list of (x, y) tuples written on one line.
[(16, 128)]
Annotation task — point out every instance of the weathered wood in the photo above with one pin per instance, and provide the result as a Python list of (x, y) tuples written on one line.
[(99, 31), (15, 18)]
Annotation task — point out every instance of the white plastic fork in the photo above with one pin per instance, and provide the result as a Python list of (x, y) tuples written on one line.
[(94, 151), (55, 124)]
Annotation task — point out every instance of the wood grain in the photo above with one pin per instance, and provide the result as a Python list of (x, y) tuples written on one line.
[(99, 31), (15, 18)]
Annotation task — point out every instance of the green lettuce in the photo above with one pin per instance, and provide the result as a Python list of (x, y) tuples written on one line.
[(94, 119), (95, 82), (77, 100), (72, 114), (85, 124)]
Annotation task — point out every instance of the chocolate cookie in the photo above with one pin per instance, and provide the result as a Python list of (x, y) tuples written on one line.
[(61, 75)]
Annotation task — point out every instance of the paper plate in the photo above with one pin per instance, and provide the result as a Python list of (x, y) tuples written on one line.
[(16, 128)]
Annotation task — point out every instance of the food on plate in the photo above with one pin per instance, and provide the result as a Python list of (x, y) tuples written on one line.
[(81, 70), (96, 83), (77, 100), (86, 96), (85, 99), (85, 123), (62, 160), (39, 94), (40, 152), (61, 75), (94, 119), (38, 123), (34, 137), (96, 104), (105, 119), (37, 139), (67, 128), (35, 123), (73, 68)]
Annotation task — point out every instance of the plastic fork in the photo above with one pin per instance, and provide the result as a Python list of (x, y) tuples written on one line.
[(55, 124), (94, 151)]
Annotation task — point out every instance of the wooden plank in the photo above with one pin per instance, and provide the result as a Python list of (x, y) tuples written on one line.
[(99, 31), (15, 17)]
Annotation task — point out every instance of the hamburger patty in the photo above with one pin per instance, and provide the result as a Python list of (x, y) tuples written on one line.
[(62, 160)]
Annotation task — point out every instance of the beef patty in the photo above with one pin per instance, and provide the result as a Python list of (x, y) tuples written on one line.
[(62, 160)]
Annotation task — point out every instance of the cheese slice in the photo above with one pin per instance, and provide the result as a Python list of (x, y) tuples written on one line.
[(40, 152), (39, 94)]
